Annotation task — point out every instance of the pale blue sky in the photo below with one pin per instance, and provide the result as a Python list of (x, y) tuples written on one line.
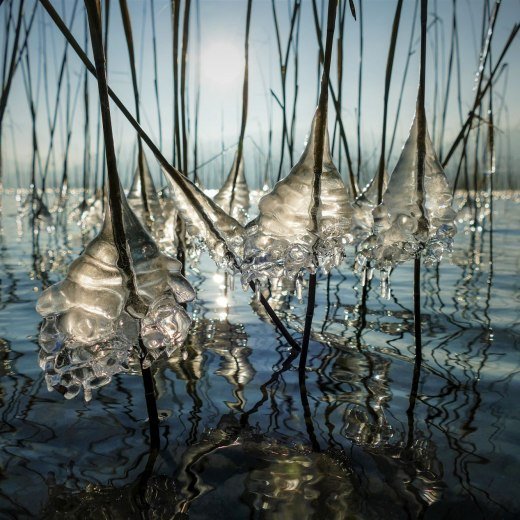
[(222, 24)]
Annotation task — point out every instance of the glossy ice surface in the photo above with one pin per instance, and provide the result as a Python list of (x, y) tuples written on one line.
[(280, 241)]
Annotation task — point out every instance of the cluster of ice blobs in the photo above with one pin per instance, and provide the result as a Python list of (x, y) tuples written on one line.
[(403, 225), (280, 242), (88, 334)]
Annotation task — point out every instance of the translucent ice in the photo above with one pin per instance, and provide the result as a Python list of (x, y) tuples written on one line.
[(87, 311), (154, 219), (208, 225), (362, 207), (235, 202), (400, 231), (280, 242)]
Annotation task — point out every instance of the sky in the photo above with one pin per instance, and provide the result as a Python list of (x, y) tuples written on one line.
[(215, 54)]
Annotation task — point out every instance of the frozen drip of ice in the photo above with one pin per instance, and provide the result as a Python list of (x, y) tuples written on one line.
[(235, 202), (280, 242), (403, 224), (88, 334)]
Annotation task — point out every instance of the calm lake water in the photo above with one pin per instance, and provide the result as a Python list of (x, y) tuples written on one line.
[(359, 454)]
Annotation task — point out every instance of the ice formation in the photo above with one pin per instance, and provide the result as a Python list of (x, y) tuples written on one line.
[(362, 207), (405, 225), (88, 333), (235, 202), (280, 242), (154, 219), (207, 224)]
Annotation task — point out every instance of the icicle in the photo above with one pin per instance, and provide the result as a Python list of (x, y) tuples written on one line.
[(299, 288), (385, 284)]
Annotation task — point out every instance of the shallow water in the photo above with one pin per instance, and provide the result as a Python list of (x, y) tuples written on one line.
[(355, 453)]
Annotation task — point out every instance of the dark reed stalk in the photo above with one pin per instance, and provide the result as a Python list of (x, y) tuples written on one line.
[(86, 128), (421, 156), (388, 78), (480, 90), (319, 141), (7, 79), (175, 175), (435, 71), (54, 121), (360, 84), (337, 107), (245, 99), (296, 68), (197, 100), (134, 305), (448, 77), (184, 54), (156, 76), (339, 73), (177, 159), (283, 60), (127, 25), (403, 82)]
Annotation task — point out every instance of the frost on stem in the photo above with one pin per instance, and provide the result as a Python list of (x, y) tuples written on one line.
[(407, 222), (235, 202), (208, 226), (87, 335), (279, 242)]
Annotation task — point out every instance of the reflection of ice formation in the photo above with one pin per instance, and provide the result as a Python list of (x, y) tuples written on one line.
[(208, 225), (275, 481), (88, 332), (408, 222), (157, 499), (280, 242), (233, 197)]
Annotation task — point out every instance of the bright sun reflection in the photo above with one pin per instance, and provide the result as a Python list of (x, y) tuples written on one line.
[(222, 63)]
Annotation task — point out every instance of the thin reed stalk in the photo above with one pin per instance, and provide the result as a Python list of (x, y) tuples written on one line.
[(421, 157), (177, 158), (184, 54), (127, 25), (388, 78), (360, 88), (245, 98), (319, 142), (7, 79), (156, 76), (337, 107)]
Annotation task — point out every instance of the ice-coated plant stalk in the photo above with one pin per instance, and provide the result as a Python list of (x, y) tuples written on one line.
[(189, 191), (127, 25), (319, 141), (233, 197), (421, 156), (135, 305)]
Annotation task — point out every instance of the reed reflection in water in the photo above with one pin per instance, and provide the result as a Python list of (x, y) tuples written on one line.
[(453, 454)]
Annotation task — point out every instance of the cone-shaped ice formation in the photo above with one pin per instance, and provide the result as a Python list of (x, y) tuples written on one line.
[(280, 242), (220, 233), (86, 322), (154, 220), (235, 202), (400, 231)]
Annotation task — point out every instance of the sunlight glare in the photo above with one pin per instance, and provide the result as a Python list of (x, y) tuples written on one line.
[(222, 63)]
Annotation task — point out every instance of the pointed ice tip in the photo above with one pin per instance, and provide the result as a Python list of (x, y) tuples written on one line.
[(308, 153)]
